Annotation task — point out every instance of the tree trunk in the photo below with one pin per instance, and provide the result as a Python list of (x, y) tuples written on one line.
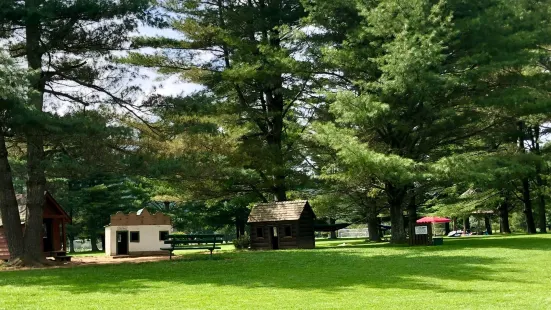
[(373, 228), (381, 230), (94, 243), (398, 235), (466, 224), (488, 224), (396, 198), (280, 188), (239, 228), (36, 182), (333, 232), (412, 213), (102, 237), (504, 227), (528, 214), (71, 244), (36, 186), (447, 228), (8, 205), (454, 223), (542, 218)]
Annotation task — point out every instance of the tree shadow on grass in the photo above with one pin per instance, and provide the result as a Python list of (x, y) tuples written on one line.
[(515, 242), (331, 271), (526, 242)]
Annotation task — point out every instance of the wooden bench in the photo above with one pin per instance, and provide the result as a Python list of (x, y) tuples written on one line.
[(193, 242)]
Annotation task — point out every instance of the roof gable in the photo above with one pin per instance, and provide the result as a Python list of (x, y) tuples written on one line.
[(278, 211), (56, 207)]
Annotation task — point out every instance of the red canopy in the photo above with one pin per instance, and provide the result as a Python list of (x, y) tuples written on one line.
[(433, 219)]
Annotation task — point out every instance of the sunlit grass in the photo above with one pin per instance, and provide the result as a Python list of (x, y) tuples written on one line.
[(465, 273)]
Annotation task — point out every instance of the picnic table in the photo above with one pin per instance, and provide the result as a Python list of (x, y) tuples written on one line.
[(193, 242)]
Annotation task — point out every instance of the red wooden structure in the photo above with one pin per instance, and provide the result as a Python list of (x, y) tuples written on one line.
[(54, 237)]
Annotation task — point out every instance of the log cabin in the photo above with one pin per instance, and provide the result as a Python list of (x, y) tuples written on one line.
[(54, 238), (282, 225)]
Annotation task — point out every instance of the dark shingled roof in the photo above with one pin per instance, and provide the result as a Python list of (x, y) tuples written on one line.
[(22, 204), (277, 211)]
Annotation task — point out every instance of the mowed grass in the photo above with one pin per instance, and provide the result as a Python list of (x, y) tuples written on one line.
[(465, 273)]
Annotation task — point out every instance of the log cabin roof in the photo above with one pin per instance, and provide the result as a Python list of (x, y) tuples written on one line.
[(278, 211), (22, 205)]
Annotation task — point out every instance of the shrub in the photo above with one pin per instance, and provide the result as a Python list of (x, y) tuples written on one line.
[(243, 242)]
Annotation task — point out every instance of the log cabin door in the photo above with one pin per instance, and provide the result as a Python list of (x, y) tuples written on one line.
[(47, 235), (122, 242), (274, 239)]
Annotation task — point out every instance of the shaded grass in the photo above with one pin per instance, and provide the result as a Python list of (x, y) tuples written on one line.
[(476, 273)]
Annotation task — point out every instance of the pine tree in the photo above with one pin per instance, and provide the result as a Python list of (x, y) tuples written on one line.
[(13, 93), (432, 84), (59, 40), (247, 55)]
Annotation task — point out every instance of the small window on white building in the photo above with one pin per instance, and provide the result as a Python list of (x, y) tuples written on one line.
[(163, 235), (135, 236)]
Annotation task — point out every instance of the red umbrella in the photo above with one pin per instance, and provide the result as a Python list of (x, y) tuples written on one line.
[(433, 219)]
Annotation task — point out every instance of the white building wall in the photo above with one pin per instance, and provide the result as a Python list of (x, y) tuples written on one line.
[(149, 238)]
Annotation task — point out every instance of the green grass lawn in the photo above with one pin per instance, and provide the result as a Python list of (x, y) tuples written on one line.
[(465, 273)]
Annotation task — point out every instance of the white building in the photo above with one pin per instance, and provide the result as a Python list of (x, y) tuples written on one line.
[(140, 233)]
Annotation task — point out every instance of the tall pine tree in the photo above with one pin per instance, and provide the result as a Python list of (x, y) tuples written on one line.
[(247, 55), (432, 84), (59, 41)]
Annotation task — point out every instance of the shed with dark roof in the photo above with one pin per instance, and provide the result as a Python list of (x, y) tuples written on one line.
[(282, 225)]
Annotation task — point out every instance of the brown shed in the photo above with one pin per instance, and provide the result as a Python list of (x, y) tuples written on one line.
[(282, 225), (54, 238)]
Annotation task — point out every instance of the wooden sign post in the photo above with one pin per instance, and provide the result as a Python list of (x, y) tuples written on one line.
[(421, 234)]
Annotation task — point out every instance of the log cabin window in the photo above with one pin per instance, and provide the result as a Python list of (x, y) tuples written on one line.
[(135, 236), (163, 235), (259, 232), (288, 231)]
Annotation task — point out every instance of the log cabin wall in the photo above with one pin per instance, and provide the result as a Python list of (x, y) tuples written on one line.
[(302, 235), (294, 221), (4, 252), (260, 241), (307, 238), (306, 229), (286, 241)]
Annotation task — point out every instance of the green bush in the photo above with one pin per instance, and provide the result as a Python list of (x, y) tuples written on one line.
[(243, 242)]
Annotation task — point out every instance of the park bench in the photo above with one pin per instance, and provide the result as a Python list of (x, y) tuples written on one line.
[(192, 242)]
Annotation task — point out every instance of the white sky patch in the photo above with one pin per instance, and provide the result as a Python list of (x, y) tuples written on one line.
[(147, 80)]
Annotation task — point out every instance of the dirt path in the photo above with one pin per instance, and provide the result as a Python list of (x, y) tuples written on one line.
[(94, 260)]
